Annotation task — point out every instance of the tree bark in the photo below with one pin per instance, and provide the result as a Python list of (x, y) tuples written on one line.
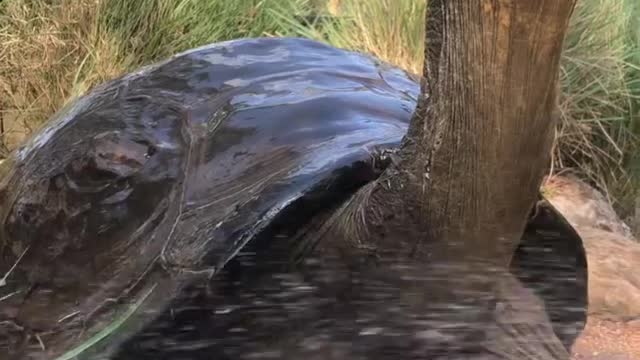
[(471, 164), (455, 200)]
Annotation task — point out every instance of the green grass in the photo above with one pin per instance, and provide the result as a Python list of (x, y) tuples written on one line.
[(598, 132), (53, 51), (147, 30), (392, 30)]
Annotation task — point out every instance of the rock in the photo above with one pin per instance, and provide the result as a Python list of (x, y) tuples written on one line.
[(614, 281), (582, 205), (613, 327), (612, 251)]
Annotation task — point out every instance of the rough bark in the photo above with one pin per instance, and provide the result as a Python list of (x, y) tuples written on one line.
[(474, 157)]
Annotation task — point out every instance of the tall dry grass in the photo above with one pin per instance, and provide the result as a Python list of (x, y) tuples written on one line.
[(49, 51), (54, 50)]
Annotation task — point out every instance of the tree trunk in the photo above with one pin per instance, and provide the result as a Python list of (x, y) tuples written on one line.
[(478, 145), (456, 201)]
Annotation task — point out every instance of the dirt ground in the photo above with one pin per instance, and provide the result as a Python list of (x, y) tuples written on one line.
[(608, 340)]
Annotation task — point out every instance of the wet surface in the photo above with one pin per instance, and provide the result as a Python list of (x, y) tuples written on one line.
[(150, 184)]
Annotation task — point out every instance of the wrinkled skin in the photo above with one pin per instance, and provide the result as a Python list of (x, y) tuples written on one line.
[(149, 185)]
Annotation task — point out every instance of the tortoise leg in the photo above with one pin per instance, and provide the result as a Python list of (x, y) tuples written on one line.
[(551, 261)]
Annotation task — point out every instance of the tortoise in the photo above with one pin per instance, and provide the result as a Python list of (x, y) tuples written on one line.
[(168, 213)]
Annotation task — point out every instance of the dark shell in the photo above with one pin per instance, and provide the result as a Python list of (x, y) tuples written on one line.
[(185, 162), (188, 160)]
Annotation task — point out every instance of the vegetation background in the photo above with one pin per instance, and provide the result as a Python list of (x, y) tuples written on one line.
[(52, 51)]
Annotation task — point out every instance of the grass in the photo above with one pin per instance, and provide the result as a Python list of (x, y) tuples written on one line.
[(598, 132), (42, 48), (396, 35), (54, 50)]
